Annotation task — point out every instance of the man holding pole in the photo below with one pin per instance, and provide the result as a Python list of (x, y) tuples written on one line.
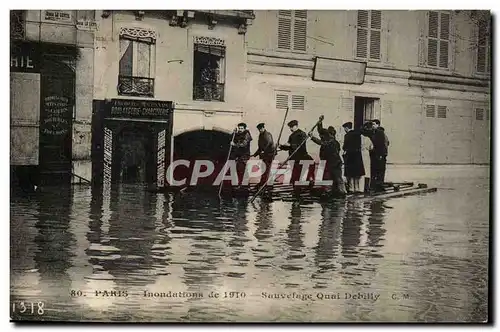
[(241, 149), (265, 151), (296, 147)]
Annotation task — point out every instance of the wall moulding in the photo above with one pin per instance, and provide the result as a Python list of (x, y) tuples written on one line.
[(211, 41)]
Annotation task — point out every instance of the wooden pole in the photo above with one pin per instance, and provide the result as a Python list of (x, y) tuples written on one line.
[(289, 157), (225, 164)]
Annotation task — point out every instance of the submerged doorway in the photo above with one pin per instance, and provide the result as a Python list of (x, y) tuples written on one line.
[(195, 145), (365, 109), (135, 155)]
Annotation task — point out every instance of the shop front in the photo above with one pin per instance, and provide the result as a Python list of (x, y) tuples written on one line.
[(131, 141)]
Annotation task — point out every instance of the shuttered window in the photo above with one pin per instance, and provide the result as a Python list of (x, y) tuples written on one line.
[(438, 42), (286, 99), (441, 112), (369, 28), (430, 111), (479, 114), (281, 101), (298, 103), (292, 30), (483, 56)]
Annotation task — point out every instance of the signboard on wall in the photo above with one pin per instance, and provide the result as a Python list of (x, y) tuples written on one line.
[(24, 57), (339, 71), (133, 108), (58, 15)]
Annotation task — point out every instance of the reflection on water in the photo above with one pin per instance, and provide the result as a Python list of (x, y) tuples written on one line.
[(94, 257)]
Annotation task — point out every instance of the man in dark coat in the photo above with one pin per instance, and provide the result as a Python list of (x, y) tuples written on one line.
[(353, 161), (330, 152), (296, 145), (241, 149), (265, 150), (378, 154)]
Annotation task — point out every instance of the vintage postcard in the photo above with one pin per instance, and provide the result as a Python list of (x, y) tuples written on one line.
[(250, 165)]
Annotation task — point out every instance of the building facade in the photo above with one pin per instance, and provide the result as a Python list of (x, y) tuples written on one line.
[(424, 74), (167, 85), (51, 84)]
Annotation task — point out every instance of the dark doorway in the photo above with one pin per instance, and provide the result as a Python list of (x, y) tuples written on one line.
[(56, 119), (135, 155), (364, 110), (201, 144)]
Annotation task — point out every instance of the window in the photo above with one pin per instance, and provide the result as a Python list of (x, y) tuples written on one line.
[(292, 30), (430, 111), (209, 72), (433, 111), (369, 29), (441, 112), (136, 71), (479, 114), (285, 99), (483, 56), (438, 41)]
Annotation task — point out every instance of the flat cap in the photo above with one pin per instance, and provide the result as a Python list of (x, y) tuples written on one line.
[(260, 125), (293, 123)]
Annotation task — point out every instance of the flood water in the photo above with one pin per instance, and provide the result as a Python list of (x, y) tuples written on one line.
[(412, 259)]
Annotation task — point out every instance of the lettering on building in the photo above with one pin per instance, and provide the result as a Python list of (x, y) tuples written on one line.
[(108, 156), (56, 120), (161, 159)]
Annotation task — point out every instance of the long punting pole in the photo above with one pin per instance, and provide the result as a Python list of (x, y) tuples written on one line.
[(225, 164), (289, 157)]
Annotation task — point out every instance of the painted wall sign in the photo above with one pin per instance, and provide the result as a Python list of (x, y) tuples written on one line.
[(84, 24), (56, 120), (160, 177), (58, 15), (24, 57), (108, 156), (151, 109)]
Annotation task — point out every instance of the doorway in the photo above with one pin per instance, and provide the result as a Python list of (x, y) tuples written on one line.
[(365, 109), (135, 154)]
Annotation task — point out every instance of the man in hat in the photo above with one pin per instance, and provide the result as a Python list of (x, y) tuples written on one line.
[(330, 152), (353, 160), (296, 145), (241, 149), (378, 154), (265, 150)]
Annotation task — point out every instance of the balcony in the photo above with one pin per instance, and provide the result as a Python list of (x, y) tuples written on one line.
[(136, 86), (208, 91)]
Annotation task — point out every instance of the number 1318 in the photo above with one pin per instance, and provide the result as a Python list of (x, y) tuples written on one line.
[(28, 308)]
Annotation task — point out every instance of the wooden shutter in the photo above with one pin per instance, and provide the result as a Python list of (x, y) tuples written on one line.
[(479, 114), (375, 31), (298, 103), (444, 43), (432, 44), (300, 30), (285, 29), (482, 47), (441, 112), (281, 101), (362, 34), (430, 111)]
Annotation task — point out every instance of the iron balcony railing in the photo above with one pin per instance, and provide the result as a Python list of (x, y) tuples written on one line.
[(136, 86), (208, 91)]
